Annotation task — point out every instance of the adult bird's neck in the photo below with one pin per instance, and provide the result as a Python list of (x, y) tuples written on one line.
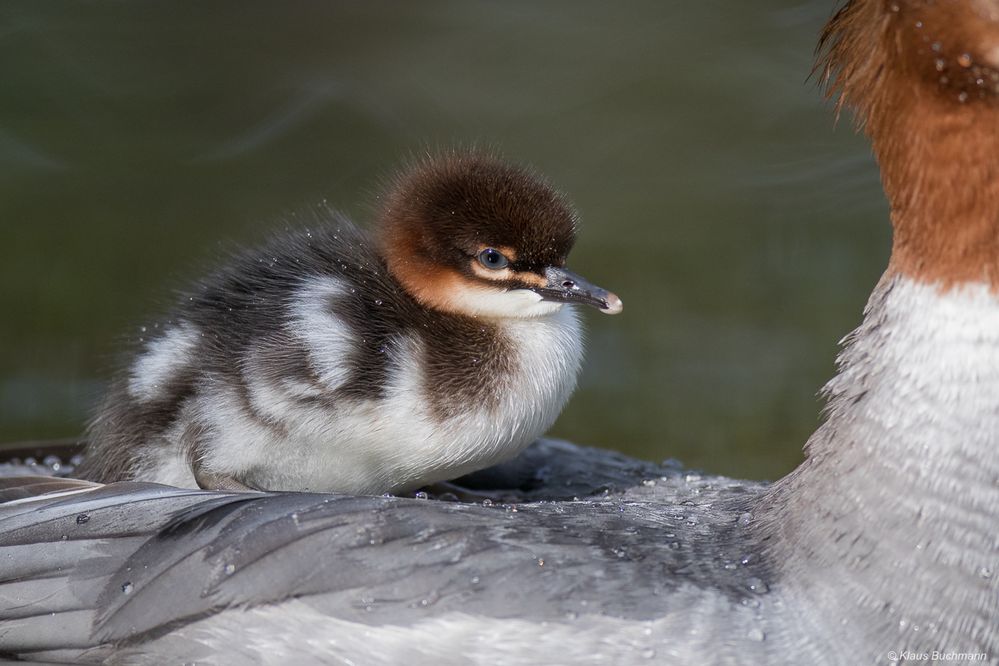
[(892, 522)]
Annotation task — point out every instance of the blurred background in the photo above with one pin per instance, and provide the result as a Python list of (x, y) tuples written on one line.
[(744, 232)]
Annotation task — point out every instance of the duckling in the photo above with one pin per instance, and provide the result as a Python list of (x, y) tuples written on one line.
[(337, 359)]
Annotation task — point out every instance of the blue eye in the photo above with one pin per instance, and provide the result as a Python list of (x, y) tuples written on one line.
[(491, 258)]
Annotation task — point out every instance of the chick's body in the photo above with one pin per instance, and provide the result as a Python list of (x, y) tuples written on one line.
[(333, 359)]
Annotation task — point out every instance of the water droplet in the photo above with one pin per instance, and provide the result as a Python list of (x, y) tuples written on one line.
[(421, 495), (919, 24), (985, 572), (936, 46), (756, 635), (378, 301), (674, 545), (648, 483), (964, 60), (541, 561), (963, 97), (82, 518), (757, 585), (745, 519), (941, 64), (487, 502), (126, 587), (230, 569), (475, 580)]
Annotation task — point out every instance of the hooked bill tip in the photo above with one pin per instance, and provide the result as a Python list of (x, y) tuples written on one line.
[(614, 304)]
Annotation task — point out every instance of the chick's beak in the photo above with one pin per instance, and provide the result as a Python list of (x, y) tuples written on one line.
[(567, 287)]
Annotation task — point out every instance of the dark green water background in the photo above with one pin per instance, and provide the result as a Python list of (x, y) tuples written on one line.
[(744, 232)]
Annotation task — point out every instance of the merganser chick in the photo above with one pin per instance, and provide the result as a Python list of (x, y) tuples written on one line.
[(332, 359)]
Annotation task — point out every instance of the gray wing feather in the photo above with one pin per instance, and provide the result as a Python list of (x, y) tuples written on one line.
[(124, 563)]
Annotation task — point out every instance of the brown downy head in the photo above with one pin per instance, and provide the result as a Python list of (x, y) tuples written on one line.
[(923, 77), (468, 234)]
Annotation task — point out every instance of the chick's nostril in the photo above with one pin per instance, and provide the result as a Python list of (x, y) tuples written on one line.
[(568, 284)]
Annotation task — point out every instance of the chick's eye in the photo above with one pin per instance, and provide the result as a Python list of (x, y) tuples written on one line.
[(491, 258)]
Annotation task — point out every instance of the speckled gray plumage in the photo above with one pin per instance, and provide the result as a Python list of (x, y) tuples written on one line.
[(139, 559)]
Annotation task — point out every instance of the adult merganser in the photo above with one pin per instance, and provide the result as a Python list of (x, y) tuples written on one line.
[(880, 548), (330, 361)]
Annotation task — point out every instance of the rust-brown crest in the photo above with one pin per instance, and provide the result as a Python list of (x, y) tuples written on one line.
[(923, 78)]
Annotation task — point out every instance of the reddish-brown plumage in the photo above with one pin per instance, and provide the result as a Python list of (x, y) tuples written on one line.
[(441, 212), (923, 77)]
